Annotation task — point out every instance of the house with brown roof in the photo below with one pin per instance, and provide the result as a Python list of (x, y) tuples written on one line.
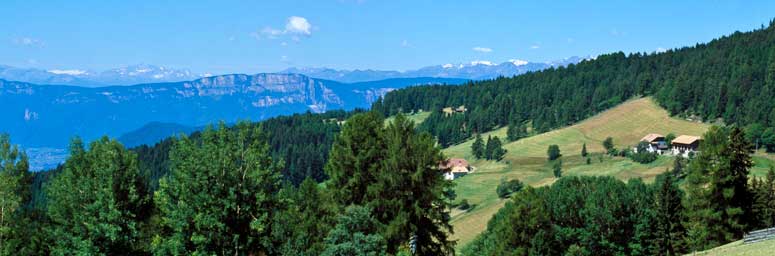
[(656, 143), (685, 144), (456, 168), (450, 110)]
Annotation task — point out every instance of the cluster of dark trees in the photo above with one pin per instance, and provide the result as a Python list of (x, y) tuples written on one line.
[(731, 78), (491, 150), (641, 154), (605, 216), (225, 194), (301, 141)]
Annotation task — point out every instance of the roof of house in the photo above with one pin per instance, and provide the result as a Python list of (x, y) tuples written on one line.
[(686, 139), (651, 137), (454, 162)]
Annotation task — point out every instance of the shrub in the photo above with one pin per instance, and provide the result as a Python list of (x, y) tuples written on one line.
[(464, 205), (557, 169), (553, 152), (507, 188)]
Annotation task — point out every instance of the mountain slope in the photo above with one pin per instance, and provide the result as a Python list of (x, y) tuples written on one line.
[(153, 132), (526, 158), (731, 79), (49, 115)]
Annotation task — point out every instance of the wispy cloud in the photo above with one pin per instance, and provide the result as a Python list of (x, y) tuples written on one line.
[(72, 72), (28, 41), (482, 49), (535, 46), (405, 44), (617, 32), (660, 49), (295, 28)]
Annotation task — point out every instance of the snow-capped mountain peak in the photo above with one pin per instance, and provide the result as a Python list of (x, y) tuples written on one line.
[(482, 62), (72, 72), (518, 62)]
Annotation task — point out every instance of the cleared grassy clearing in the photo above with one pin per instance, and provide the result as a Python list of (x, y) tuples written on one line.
[(526, 158)]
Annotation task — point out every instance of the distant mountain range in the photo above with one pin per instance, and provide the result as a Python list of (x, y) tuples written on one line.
[(475, 70), (129, 75), (39, 116), (143, 73)]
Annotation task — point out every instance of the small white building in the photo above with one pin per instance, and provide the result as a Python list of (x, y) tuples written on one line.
[(456, 168), (685, 144)]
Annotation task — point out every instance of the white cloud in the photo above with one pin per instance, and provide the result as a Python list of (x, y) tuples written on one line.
[(72, 72), (298, 25), (405, 43), (447, 66), (535, 47), (660, 49), (482, 49), (28, 41), (295, 27)]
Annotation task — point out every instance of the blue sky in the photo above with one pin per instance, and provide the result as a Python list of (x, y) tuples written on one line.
[(266, 36)]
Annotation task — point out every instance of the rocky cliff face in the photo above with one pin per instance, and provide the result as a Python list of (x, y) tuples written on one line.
[(49, 115)]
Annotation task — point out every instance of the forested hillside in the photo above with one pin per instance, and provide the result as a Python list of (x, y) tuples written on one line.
[(300, 141), (731, 78)]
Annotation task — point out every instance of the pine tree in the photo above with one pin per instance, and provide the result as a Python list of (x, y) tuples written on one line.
[(584, 150), (488, 148), (13, 169), (495, 147), (729, 185), (96, 203), (670, 232), (410, 194), (401, 181), (477, 148), (354, 160), (221, 195), (702, 223)]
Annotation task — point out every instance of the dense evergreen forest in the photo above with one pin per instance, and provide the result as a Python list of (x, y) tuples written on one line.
[(301, 141), (225, 195), (309, 184), (731, 78)]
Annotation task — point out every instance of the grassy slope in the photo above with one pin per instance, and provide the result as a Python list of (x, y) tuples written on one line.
[(739, 249), (418, 117), (526, 158)]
